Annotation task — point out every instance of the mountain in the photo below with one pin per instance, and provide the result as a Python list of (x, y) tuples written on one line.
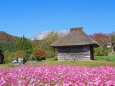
[(41, 35), (5, 37), (113, 34)]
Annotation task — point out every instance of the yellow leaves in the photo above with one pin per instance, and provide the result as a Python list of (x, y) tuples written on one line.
[(19, 53)]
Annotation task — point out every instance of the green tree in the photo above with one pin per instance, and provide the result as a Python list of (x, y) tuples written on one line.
[(100, 51), (1, 56), (7, 46), (24, 44), (46, 43), (7, 57), (112, 38), (34, 45)]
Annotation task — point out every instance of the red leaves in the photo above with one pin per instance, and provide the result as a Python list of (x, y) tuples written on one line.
[(39, 53), (101, 38), (4, 37)]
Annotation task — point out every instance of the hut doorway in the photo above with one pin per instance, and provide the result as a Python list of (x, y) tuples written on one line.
[(114, 48), (91, 53)]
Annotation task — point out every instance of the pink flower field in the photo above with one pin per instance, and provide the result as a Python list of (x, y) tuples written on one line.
[(58, 75)]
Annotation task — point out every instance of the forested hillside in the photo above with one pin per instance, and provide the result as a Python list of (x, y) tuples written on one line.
[(5, 37)]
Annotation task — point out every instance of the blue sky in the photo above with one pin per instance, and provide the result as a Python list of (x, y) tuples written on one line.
[(28, 17)]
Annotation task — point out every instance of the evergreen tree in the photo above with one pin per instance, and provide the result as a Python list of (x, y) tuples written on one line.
[(1, 56), (24, 44), (7, 46)]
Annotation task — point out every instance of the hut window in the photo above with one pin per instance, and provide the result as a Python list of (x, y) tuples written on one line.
[(65, 50), (85, 49)]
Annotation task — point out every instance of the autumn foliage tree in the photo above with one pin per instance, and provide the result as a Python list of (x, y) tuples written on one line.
[(46, 43), (5, 37), (39, 54), (101, 38), (19, 53)]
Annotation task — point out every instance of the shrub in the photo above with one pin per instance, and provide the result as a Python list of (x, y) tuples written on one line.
[(31, 57), (40, 54), (101, 51), (107, 58), (54, 59), (8, 59)]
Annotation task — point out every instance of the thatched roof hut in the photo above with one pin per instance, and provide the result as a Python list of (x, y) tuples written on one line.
[(75, 43)]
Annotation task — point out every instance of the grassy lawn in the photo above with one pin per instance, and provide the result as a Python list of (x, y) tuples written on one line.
[(93, 63), (7, 66), (31, 61)]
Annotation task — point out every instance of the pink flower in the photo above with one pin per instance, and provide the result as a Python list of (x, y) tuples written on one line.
[(57, 75)]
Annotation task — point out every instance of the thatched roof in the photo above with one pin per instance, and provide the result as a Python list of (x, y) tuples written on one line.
[(76, 37)]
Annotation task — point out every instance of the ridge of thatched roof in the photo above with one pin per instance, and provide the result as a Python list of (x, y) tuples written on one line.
[(76, 37)]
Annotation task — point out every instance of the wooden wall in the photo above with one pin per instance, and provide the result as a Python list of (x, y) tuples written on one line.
[(71, 54)]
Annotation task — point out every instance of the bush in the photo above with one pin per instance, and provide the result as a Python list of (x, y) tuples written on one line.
[(54, 59), (31, 57), (8, 59), (40, 54), (107, 58), (101, 51)]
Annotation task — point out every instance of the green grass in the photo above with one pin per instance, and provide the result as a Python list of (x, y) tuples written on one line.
[(106, 58), (94, 63), (8, 66), (111, 54), (31, 61)]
